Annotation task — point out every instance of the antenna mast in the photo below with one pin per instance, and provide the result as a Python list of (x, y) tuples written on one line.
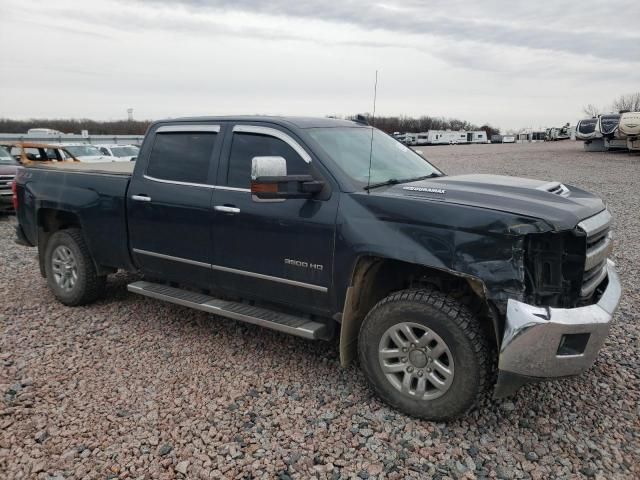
[(373, 119)]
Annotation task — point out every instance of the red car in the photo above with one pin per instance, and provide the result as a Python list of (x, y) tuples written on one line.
[(8, 168)]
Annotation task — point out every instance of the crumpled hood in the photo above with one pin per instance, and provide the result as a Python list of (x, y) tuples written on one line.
[(561, 206)]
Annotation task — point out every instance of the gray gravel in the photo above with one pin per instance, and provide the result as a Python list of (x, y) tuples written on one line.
[(135, 388)]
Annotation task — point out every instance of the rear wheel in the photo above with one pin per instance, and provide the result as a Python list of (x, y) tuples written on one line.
[(425, 354), (71, 273)]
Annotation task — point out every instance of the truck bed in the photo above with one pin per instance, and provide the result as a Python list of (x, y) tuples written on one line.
[(93, 195), (111, 168)]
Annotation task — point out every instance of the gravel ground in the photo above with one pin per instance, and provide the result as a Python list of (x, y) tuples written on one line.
[(136, 388)]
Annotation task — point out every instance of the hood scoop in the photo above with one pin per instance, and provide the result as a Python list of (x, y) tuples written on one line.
[(556, 188)]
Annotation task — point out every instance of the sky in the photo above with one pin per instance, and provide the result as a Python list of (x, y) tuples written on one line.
[(509, 63)]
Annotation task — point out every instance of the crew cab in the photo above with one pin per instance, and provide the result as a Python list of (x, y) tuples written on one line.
[(327, 228)]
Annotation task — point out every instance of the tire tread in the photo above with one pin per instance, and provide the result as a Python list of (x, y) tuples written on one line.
[(457, 313), (94, 284)]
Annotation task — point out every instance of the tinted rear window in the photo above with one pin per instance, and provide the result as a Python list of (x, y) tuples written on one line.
[(182, 156)]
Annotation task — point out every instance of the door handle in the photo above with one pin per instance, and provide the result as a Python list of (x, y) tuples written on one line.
[(226, 209), (141, 198)]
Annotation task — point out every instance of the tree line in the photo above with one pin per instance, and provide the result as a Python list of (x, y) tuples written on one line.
[(402, 124), (405, 124), (117, 127)]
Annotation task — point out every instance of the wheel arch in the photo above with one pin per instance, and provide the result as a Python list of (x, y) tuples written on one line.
[(49, 221), (52, 220), (375, 277)]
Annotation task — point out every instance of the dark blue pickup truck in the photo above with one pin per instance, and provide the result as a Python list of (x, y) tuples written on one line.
[(328, 228)]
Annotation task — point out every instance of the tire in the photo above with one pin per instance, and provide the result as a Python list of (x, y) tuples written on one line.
[(71, 273), (455, 344)]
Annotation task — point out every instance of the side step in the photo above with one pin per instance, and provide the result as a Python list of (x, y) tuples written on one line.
[(238, 311)]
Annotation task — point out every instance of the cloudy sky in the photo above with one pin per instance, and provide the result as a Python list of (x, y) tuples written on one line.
[(512, 64)]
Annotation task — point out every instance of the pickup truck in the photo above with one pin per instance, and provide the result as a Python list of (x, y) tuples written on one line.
[(328, 229)]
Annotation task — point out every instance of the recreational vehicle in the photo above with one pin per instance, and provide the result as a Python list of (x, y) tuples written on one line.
[(446, 137), (608, 127), (629, 127), (422, 138), (586, 129), (555, 133), (479, 136)]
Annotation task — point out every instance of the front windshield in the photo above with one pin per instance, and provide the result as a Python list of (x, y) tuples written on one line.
[(6, 158), (351, 148), (82, 150), (124, 151)]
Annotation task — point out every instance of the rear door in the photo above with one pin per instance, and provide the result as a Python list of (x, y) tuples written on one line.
[(169, 204), (278, 250)]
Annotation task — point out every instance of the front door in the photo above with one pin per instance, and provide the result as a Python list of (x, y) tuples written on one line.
[(278, 250), (169, 204)]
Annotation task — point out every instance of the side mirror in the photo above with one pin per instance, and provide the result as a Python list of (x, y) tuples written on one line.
[(269, 180)]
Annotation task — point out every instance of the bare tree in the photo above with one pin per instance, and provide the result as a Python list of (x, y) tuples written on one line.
[(630, 101), (591, 110)]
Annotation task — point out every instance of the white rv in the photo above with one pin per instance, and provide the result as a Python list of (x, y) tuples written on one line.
[(422, 138), (608, 126), (446, 137), (586, 129), (629, 127), (402, 137), (479, 136)]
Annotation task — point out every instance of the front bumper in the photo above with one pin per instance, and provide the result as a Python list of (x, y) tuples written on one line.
[(542, 342)]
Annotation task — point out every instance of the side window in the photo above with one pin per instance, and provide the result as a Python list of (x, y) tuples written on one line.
[(245, 146), (181, 156)]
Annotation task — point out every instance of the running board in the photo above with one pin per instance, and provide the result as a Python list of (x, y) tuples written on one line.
[(263, 317)]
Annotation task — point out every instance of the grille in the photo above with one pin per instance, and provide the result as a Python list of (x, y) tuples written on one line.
[(599, 236), (5, 184)]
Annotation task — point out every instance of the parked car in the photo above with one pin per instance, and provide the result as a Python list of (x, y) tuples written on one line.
[(25, 152), (328, 228), (8, 169), (85, 152), (123, 153)]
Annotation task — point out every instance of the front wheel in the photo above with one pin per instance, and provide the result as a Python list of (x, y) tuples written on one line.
[(424, 354), (71, 273)]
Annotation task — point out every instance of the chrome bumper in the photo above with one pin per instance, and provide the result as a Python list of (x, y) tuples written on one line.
[(536, 338)]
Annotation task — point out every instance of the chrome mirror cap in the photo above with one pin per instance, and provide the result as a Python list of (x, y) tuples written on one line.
[(268, 167)]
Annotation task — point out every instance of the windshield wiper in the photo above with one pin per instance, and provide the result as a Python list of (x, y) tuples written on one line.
[(395, 181)]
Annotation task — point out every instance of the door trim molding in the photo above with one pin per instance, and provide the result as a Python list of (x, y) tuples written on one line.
[(189, 184), (262, 276), (170, 257), (220, 268)]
